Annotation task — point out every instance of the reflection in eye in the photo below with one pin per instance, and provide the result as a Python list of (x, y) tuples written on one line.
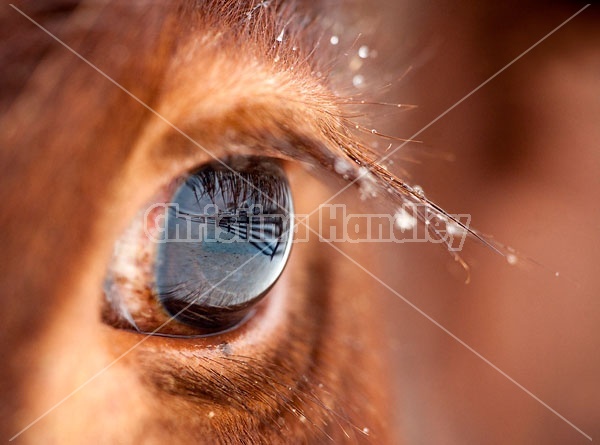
[(227, 241), (223, 241)]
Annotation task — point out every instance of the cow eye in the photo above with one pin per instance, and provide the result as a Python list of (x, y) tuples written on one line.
[(226, 242), (215, 248)]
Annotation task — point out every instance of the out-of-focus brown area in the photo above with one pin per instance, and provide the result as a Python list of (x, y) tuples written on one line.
[(527, 163)]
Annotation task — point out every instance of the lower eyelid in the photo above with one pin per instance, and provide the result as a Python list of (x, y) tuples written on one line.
[(162, 354)]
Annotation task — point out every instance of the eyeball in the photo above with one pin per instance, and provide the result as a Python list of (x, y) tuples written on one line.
[(208, 252), (226, 241)]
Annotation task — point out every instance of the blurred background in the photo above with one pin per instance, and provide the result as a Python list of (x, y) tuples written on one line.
[(526, 165)]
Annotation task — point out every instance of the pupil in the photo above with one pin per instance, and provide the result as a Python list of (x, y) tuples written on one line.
[(226, 241)]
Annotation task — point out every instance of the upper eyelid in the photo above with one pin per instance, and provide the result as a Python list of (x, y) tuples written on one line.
[(292, 145), (276, 138)]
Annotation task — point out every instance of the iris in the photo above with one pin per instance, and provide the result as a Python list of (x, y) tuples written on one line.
[(227, 238)]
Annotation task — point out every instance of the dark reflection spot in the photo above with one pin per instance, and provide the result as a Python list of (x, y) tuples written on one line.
[(227, 238)]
